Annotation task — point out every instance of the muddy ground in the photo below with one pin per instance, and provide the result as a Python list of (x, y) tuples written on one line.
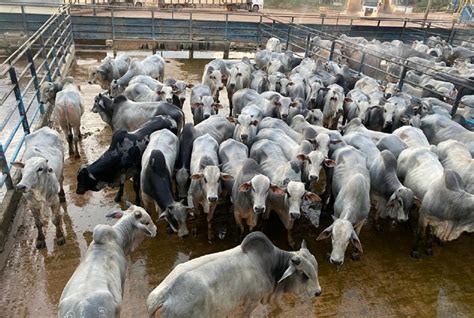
[(386, 282)]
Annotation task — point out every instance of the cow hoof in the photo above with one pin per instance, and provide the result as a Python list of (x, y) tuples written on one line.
[(61, 241), (429, 251), (328, 256), (194, 231), (415, 254), (62, 199), (77, 156), (355, 256), (71, 152), (40, 244), (378, 227)]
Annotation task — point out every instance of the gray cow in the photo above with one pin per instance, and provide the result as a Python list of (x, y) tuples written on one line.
[(283, 173), (203, 105), (239, 78), (153, 66), (455, 156), (446, 208), (215, 76), (121, 113), (206, 177), (264, 273), (232, 155), (110, 69), (42, 179), (249, 194), (218, 126), (259, 81), (96, 287), (351, 188)]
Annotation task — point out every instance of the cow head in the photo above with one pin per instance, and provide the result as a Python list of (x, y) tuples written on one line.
[(314, 117), (37, 176), (295, 195), (176, 215), (103, 105), (236, 79), (400, 204), (209, 106), (210, 178), (87, 181), (166, 93), (48, 91), (341, 233), (97, 75), (214, 80), (313, 162), (301, 274), (247, 128), (282, 107), (258, 188)]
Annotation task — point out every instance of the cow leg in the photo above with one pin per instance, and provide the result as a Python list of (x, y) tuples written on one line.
[(40, 242), (77, 133), (429, 241), (136, 188), (62, 195), (69, 142), (240, 226), (419, 236), (210, 216), (57, 221), (118, 196)]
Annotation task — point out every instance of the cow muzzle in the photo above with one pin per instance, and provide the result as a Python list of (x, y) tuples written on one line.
[(295, 215), (313, 178), (21, 187), (259, 209), (212, 199)]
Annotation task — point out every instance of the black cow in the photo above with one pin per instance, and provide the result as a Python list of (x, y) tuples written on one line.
[(183, 162), (122, 160)]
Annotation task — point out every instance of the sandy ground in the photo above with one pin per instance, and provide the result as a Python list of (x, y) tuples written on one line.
[(386, 282)]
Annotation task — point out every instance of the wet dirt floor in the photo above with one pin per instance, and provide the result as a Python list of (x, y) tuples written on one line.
[(386, 282)]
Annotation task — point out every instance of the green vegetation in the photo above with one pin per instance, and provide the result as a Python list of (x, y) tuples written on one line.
[(305, 4), (436, 5)]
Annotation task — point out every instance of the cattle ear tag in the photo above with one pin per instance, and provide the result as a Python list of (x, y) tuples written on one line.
[(114, 215)]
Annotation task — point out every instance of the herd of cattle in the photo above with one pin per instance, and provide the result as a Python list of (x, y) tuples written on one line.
[(401, 153)]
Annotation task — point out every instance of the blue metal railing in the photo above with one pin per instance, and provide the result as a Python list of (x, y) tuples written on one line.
[(39, 59)]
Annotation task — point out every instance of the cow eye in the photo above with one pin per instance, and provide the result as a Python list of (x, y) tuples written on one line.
[(305, 277), (239, 74), (205, 179), (147, 223), (40, 169)]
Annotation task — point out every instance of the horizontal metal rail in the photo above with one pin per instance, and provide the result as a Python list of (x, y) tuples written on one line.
[(39, 59)]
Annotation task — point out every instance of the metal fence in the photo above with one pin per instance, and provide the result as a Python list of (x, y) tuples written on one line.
[(39, 59)]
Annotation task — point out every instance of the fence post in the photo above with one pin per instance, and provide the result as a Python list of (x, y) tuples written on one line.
[(403, 30), (333, 45), (273, 26), (456, 101), (259, 34), (153, 24), (25, 24), (190, 26), (289, 33), (402, 77), (451, 34), (113, 23), (35, 79), (45, 58), (226, 25), (5, 170), (308, 43), (426, 31), (362, 60), (21, 106)]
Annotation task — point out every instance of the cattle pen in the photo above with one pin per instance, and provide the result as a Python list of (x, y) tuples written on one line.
[(66, 40)]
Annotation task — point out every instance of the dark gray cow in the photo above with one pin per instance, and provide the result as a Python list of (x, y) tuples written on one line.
[(232, 155), (218, 126), (203, 105), (110, 69), (183, 163)]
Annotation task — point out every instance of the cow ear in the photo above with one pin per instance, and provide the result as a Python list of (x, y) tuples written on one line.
[(226, 177), (115, 215), (356, 242), (197, 176), (190, 211), (335, 141), (189, 85), (244, 187), (348, 99), (289, 271), (359, 225), (302, 157), (277, 190), (254, 122), (404, 120), (217, 106), (195, 105), (231, 119), (224, 77), (18, 164), (417, 201), (312, 197), (163, 215), (128, 204), (325, 234), (329, 163)]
